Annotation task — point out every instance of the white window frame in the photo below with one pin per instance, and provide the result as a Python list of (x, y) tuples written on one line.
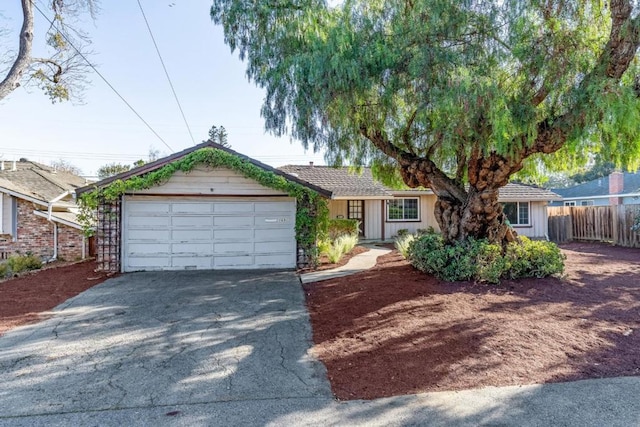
[(403, 199), (528, 223)]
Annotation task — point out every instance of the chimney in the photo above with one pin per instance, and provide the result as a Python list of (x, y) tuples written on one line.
[(310, 164), (616, 185)]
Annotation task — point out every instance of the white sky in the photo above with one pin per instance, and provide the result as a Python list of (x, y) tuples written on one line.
[(209, 80)]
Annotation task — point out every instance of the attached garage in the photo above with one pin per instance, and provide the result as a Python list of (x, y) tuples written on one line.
[(205, 208), (177, 233)]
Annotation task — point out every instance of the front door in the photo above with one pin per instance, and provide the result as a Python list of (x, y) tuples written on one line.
[(355, 210)]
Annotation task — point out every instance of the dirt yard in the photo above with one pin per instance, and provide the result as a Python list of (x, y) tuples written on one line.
[(392, 330), (27, 298)]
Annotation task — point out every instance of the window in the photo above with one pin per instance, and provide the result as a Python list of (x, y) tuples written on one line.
[(517, 212), (569, 203), (586, 203), (403, 210), (8, 215)]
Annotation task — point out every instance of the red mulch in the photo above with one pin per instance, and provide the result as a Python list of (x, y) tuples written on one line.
[(393, 330), (25, 299)]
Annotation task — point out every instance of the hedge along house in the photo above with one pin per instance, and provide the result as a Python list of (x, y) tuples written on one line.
[(207, 207), (383, 211)]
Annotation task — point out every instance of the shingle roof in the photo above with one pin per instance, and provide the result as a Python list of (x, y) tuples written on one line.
[(37, 181), (517, 191), (600, 187), (340, 181), (344, 183)]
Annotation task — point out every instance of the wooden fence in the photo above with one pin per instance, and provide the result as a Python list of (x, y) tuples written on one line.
[(600, 223)]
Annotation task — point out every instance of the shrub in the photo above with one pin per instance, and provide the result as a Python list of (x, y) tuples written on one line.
[(19, 263), (402, 244), (341, 246), (340, 226), (324, 246), (4, 270), (482, 261)]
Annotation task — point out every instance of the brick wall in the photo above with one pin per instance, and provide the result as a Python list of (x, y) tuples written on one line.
[(35, 235)]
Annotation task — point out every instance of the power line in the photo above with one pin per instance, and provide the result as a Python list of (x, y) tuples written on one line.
[(166, 73), (101, 76)]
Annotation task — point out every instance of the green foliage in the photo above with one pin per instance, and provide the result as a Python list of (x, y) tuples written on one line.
[(482, 261), (340, 226), (402, 243), (111, 169), (4, 270), (340, 246), (18, 263), (219, 135), (312, 213), (636, 224)]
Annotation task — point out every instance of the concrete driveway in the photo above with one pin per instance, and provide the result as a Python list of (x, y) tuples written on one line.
[(231, 348)]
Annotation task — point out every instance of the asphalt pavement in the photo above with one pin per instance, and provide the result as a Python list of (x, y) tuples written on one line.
[(222, 348)]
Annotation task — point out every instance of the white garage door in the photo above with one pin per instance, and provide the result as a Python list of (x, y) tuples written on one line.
[(183, 234)]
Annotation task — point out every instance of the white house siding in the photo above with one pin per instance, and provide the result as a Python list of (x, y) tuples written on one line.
[(207, 181), (427, 218), (338, 209), (538, 220)]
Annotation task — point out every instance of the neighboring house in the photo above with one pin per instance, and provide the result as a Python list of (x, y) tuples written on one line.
[(38, 212), (208, 218), (382, 211), (616, 189)]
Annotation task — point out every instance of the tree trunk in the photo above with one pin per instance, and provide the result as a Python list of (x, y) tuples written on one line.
[(22, 62), (463, 212)]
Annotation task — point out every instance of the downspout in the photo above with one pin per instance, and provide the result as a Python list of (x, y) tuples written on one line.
[(55, 226)]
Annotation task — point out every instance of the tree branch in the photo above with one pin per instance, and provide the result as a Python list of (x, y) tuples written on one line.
[(22, 62)]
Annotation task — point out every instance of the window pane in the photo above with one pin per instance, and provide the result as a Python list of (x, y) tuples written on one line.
[(411, 209), (523, 214), (394, 209), (510, 209)]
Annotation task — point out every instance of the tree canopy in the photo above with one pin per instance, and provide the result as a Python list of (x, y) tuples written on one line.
[(218, 134), (456, 95), (63, 71)]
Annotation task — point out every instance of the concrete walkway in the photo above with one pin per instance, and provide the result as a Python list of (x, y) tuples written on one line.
[(358, 263)]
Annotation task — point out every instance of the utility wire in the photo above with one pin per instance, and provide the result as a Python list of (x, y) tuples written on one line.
[(101, 76), (166, 73)]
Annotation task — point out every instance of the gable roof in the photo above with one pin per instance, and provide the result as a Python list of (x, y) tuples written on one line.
[(600, 187), (36, 182), (344, 184), (152, 166)]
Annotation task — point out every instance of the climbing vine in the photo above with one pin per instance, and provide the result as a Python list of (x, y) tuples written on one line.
[(312, 213)]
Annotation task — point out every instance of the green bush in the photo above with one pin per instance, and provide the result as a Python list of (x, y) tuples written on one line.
[(19, 263), (340, 226), (402, 244), (341, 246), (4, 270), (484, 262)]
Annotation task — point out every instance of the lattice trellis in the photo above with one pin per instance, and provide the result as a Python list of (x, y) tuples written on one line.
[(108, 235)]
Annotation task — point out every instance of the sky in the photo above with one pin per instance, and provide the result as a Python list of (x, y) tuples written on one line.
[(209, 80)]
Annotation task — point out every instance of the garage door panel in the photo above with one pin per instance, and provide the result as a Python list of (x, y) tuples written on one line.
[(148, 234), (191, 208), (148, 263), (149, 221), (274, 260), (233, 248), (233, 262), (149, 248), (233, 207), (271, 234), (149, 207), (183, 234), (191, 235), (270, 247), (233, 221), (192, 262), (234, 234), (191, 249), (191, 221)]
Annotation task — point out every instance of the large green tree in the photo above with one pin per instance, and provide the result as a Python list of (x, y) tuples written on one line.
[(456, 95)]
